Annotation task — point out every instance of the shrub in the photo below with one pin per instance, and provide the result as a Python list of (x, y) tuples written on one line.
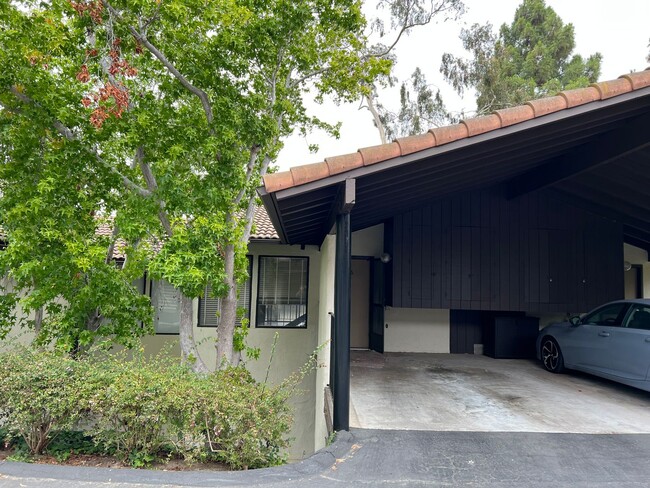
[(142, 409), (245, 423), (135, 405), (38, 395)]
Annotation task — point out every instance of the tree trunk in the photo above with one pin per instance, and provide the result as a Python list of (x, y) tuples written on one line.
[(225, 332), (376, 118), (189, 352)]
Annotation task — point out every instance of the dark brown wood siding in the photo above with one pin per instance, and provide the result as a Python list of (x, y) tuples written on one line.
[(480, 251)]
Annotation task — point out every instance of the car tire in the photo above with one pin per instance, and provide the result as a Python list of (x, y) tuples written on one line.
[(551, 354)]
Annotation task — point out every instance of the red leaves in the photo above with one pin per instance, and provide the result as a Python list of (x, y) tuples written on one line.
[(83, 75), (111, 100), (98, 117), (94, 9)]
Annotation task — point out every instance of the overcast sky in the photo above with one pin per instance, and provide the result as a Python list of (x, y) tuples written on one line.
[(619, 30)]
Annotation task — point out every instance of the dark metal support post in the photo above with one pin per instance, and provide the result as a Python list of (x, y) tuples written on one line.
[(342, 317), (342, 286)]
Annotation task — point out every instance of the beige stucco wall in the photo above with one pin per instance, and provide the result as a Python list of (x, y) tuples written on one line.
[(368, 242), (292, 351), (636, 255), (326, 299), (416, 330)]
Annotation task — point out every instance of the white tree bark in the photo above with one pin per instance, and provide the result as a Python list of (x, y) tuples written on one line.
[(225, 332), (189, 352)]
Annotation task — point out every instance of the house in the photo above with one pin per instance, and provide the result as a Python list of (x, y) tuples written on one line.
[(532, 212)]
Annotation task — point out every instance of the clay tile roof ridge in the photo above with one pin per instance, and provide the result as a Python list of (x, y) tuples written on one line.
[(439, 136)]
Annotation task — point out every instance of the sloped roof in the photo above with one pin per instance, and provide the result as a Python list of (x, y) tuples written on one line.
[(262, 231), (590, 144), (300, 175)]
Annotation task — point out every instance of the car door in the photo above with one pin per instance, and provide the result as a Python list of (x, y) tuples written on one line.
[(587, 345), (629, 351)]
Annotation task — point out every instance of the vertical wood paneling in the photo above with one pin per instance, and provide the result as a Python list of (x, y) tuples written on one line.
[(398, 257), (426, 279), (407, 245), (479, 251), (436, 255)]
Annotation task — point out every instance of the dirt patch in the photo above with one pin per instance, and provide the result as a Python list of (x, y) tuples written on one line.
[(96, 461)]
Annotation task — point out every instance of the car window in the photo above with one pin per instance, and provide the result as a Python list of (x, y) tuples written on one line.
[(611, 315), (639, 317)]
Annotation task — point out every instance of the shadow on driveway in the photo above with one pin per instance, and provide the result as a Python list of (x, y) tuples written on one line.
[(400, 458)]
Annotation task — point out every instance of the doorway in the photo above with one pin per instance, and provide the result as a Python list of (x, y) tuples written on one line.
[(367, 304), (634, 282), (360, 306)]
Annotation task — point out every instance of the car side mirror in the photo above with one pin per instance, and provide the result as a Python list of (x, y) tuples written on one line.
[(575, 320)]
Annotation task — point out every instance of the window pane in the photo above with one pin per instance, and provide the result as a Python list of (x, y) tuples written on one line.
[(210, 307), (282, 292), (639, 318), (166, 303), (607, 315)]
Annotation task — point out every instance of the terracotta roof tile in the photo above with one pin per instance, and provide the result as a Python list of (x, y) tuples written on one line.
[(514, 115), (580, 96), (278, 181), (263, 228), (548, 105), (639, 79), (479, 125), (309, 172), (609, 89), (411, 144), (449, 133), (341, 164), (382, 152)]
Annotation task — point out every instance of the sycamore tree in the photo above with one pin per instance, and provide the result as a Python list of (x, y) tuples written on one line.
[(140, 129), (530, 58)]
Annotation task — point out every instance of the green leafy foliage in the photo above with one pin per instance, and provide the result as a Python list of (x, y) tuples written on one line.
[(157, 120), (38, 395), (530, 58), (142, 409)]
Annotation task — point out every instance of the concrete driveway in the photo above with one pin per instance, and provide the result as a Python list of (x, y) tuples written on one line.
[(445, 392)]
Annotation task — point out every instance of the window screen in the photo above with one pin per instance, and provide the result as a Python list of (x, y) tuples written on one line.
[(165, 299), (282, 292), (210, 307)]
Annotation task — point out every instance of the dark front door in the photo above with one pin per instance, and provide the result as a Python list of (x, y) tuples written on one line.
[(377, 306)]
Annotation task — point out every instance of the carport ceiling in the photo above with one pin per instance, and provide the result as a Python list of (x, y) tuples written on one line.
[(596, 155)]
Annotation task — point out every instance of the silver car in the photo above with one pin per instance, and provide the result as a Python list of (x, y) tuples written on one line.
[(613, 341)]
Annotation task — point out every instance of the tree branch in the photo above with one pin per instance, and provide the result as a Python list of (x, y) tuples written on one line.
[(142, 38), (71, 136), (377, 119), (152, 185)]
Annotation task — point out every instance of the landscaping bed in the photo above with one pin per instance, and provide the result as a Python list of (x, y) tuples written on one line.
[(123, 409)]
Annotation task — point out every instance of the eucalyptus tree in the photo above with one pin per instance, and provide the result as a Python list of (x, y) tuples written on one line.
[(155, 119), (418, 103)]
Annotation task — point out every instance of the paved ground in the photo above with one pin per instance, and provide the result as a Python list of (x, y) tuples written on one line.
[(452, 392), (400, 458), (523, 405)]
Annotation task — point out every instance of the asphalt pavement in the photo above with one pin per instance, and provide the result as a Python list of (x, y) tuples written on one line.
[(399, 458)]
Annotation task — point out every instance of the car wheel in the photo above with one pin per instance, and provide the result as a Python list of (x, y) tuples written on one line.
[(552, 356)]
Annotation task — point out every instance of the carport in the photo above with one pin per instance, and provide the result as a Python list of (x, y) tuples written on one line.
[(523, 211), (475, 393)]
